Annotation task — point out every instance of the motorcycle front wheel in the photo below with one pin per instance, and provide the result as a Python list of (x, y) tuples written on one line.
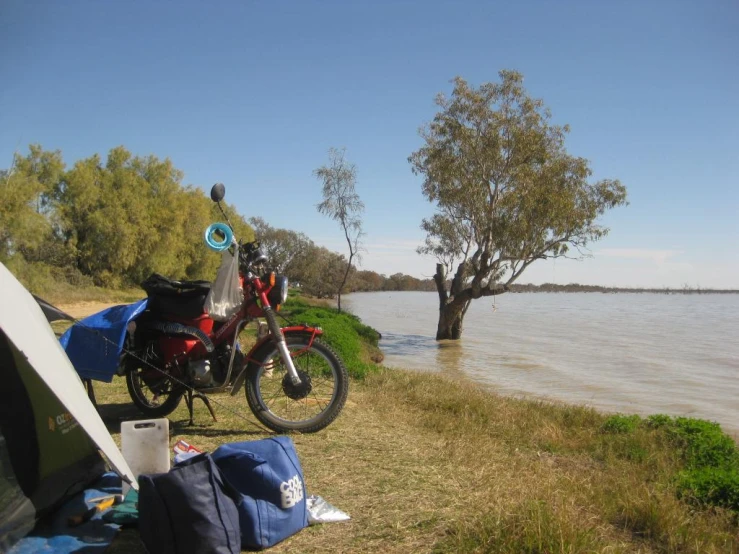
[(307, 407)]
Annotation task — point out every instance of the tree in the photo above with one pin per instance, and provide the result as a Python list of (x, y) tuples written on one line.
[(124, 219), (366, 281), (342, 203), (507, 193), (26, 224), (283, 247), (109, 222), (320, 271)]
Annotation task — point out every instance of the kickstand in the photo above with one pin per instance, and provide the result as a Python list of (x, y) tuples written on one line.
[(189, 398)]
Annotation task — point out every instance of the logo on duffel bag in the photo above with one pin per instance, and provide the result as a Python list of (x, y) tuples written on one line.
[(292, 492)]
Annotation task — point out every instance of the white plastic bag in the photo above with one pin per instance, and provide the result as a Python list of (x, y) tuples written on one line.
[(320, 511), (225, 296)]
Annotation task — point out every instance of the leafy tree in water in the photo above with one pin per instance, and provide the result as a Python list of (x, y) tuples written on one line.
[(342, 203), (507, 193)]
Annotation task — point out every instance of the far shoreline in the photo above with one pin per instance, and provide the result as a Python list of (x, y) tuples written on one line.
[(574, 288)]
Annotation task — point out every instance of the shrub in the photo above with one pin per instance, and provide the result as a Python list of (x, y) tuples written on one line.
[(703, 443), (709, 485), (658, 421), (620, 423), (711, 459)]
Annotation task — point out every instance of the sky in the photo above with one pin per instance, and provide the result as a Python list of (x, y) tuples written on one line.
[(254, 93)]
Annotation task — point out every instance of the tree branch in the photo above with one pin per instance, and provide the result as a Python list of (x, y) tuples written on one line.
[(440, 280)]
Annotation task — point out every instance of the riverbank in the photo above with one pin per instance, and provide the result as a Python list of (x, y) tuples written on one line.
[(427, 464), (424, 464)]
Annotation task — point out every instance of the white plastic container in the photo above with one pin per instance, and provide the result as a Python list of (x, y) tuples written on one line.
[(145, 446)]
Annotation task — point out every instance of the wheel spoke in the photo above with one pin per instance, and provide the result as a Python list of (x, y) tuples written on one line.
[(317, 400), (315, 396), (154, 395), (309, 405)]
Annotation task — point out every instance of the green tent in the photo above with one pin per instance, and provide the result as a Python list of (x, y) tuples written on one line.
[(51, 436)]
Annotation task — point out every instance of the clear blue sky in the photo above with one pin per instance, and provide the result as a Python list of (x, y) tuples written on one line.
[(253, 93)]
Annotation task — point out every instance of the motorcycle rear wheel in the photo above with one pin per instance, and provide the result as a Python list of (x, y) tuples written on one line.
[(308, 407), (155, 400)]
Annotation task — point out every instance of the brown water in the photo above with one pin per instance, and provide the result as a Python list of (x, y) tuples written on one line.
[(631, 353)]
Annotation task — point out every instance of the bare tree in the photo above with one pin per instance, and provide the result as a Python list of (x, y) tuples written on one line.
[(342, 203)]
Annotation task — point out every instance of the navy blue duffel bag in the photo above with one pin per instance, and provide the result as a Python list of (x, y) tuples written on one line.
[(190, 510), (268, 476)]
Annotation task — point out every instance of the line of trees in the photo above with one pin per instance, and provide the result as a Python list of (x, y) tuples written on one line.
[(104, 222), (575, 287), (112, 222), (318, 270)]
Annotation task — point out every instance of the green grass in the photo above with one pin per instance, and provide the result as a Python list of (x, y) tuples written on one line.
[(703, 443), (708, 468), (355, 342)]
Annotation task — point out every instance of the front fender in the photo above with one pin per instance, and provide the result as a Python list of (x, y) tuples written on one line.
[(313, 332)]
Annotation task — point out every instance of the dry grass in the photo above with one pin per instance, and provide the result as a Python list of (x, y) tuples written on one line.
[(423, 464)]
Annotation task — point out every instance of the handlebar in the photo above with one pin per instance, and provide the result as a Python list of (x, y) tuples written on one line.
[(249, 252)]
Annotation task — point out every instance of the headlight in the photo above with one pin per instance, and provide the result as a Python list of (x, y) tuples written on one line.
[(278, 294)]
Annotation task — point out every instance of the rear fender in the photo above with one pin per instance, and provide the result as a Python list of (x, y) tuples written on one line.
[(251, 363)]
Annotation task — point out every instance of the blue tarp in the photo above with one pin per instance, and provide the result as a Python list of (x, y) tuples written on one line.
[(85, 342)]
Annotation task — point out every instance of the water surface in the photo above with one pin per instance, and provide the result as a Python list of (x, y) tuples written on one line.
[(634, 353)]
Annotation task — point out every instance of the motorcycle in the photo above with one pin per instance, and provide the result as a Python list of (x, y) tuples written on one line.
[(293, 381)]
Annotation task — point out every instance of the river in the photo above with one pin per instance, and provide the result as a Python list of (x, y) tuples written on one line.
[(632, 353)]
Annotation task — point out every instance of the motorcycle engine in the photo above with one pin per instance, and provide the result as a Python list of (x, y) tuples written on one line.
[(200, 373), (210, 371)]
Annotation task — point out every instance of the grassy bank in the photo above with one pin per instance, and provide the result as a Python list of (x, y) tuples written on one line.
[(356, 343), (425, 464), (66, 286)]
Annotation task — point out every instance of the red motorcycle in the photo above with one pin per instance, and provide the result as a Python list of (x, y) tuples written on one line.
[(294, 382)]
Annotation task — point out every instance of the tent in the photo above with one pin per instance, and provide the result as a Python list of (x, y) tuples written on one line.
[(51, 436)]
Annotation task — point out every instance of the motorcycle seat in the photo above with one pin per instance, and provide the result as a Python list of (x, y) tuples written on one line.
[(159, 285), (182, 299)]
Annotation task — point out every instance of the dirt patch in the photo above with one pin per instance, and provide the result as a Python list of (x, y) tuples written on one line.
[(79, 310)]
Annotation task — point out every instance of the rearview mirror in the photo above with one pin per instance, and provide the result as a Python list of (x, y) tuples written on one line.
[(218, 192)]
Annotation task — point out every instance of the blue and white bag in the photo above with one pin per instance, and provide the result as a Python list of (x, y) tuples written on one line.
[(268, 475)]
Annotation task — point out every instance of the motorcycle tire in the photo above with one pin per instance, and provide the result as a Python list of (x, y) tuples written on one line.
[(308, 407), (150, 403)]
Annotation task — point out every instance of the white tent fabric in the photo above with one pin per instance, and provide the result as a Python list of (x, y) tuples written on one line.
[(24, 323)]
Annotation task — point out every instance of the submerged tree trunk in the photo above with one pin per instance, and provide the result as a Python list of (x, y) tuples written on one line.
[(450, 322), (451, 309)]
